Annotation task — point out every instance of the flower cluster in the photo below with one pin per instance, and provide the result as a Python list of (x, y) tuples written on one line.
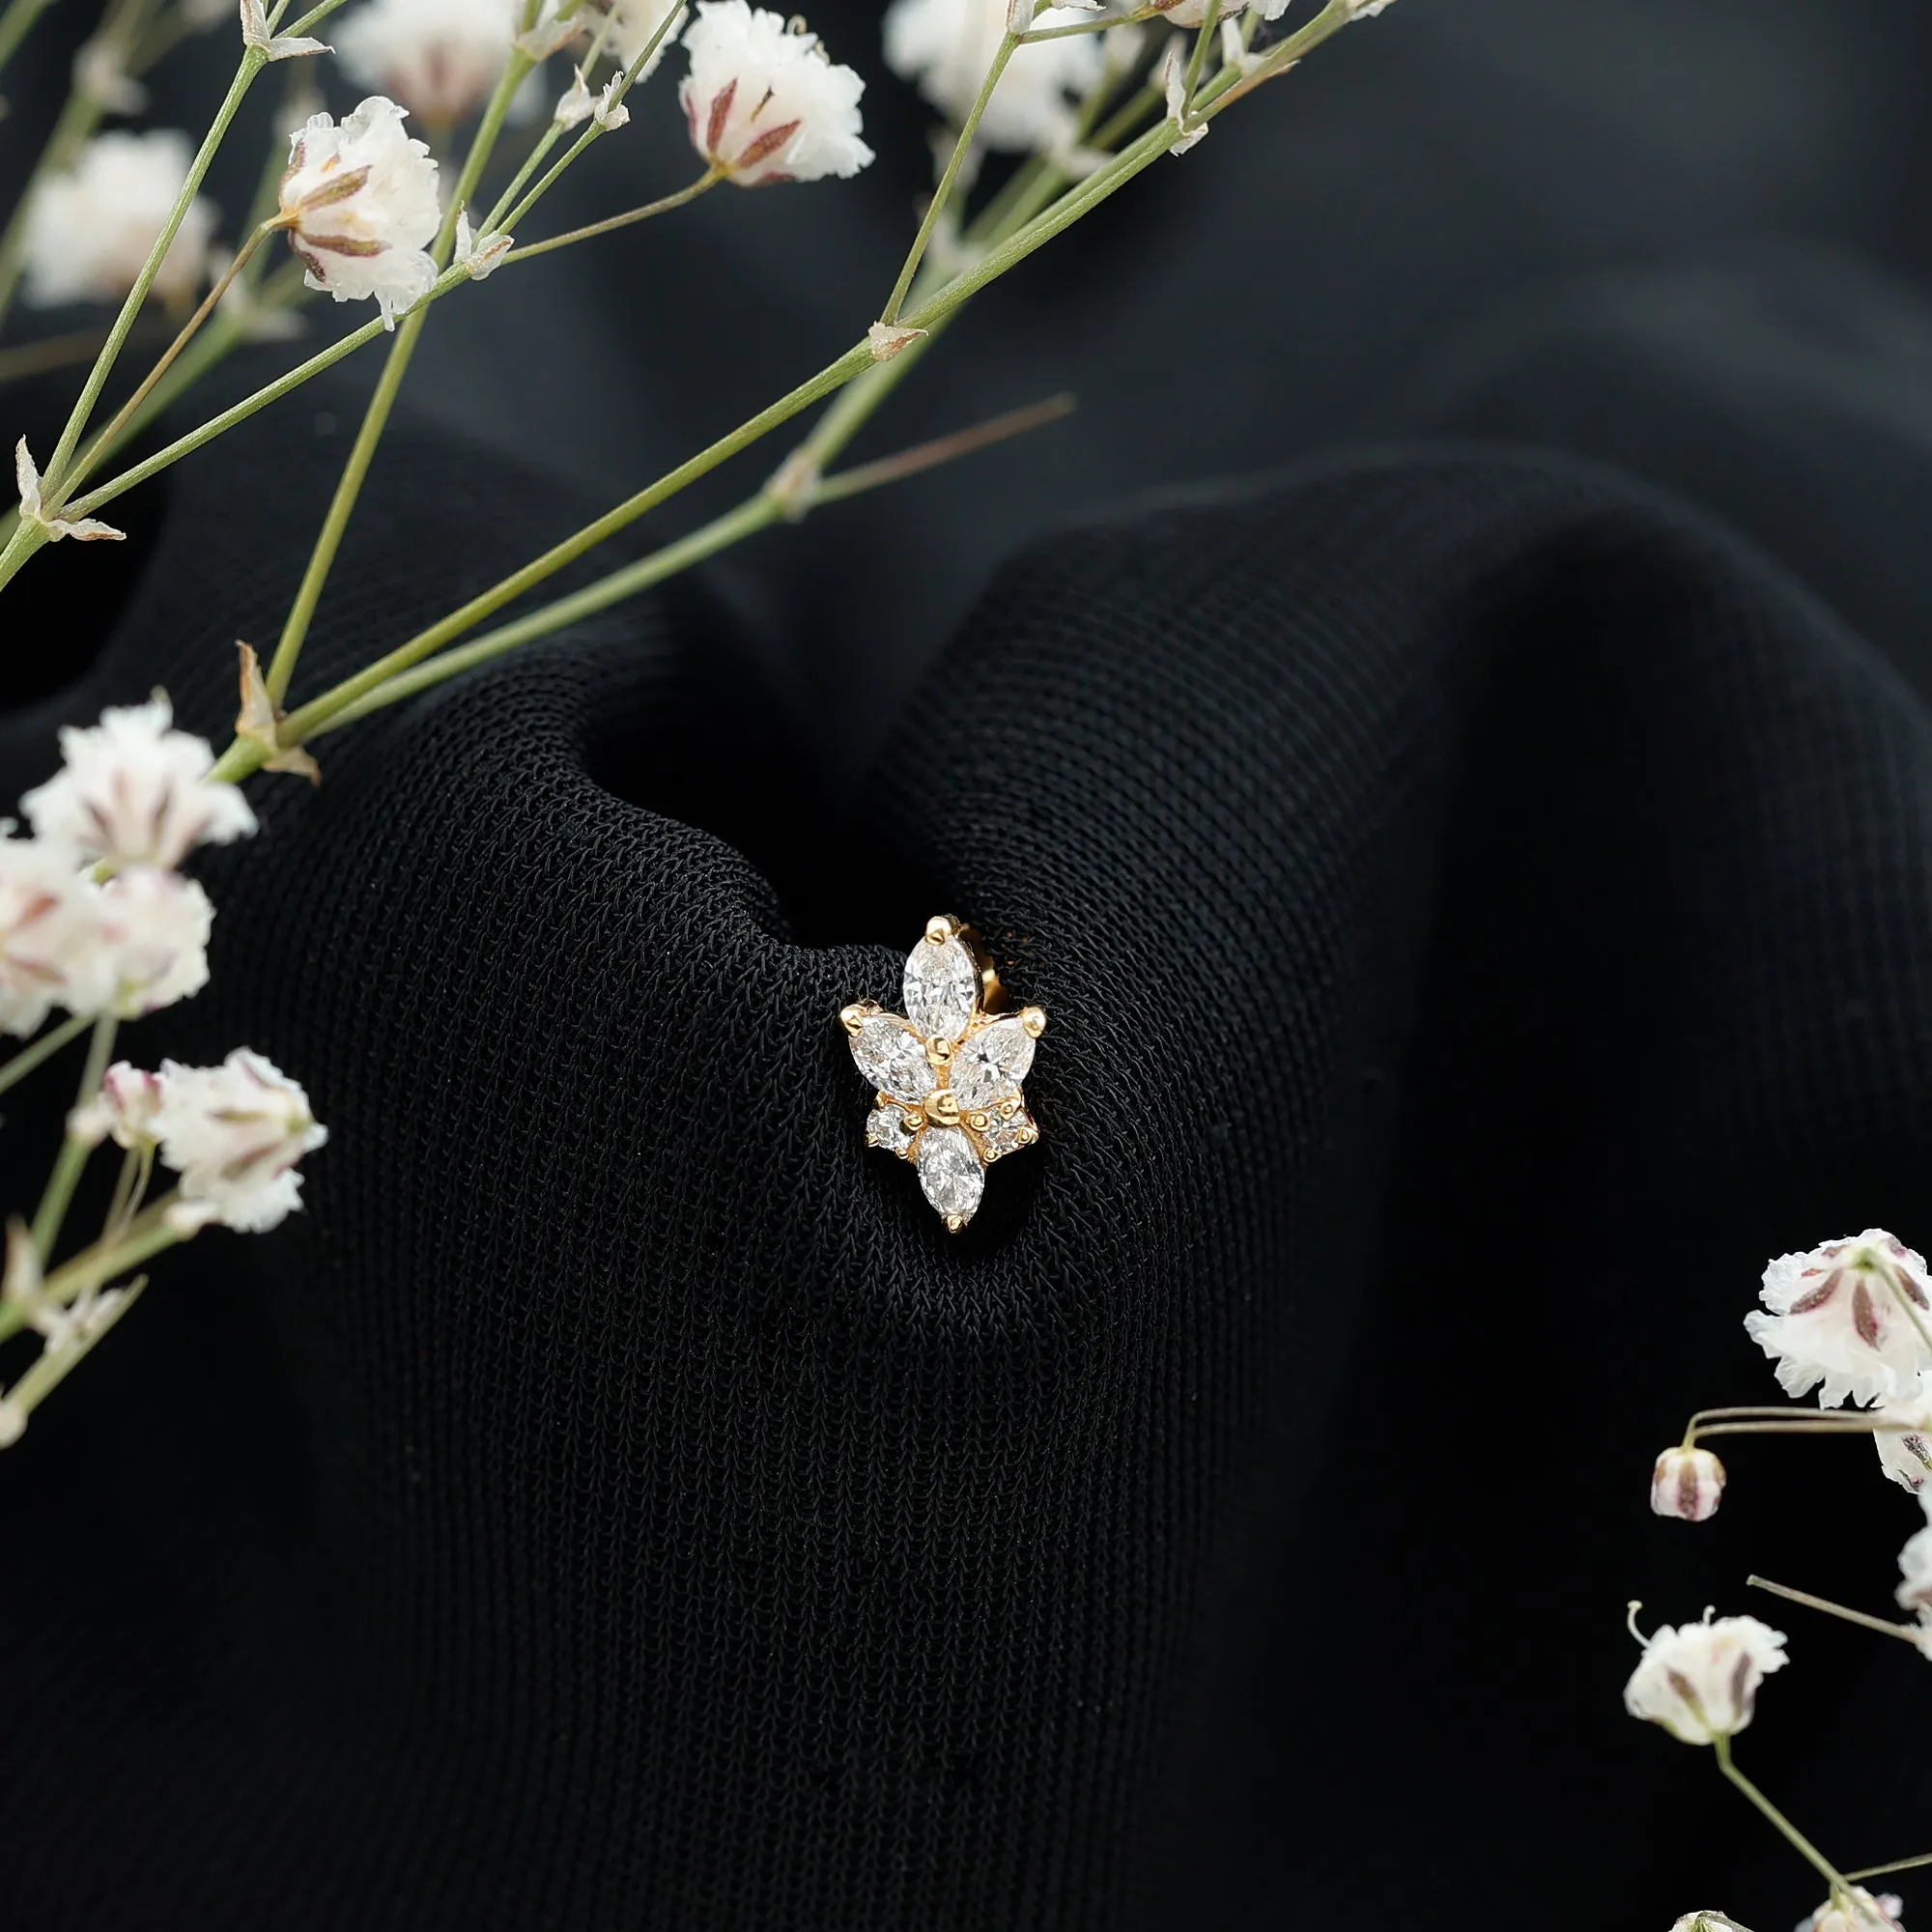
[(233, 1133), (93, 916), (89, 229)]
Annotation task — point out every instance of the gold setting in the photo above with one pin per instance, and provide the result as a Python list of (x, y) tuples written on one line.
[(992, 1131)]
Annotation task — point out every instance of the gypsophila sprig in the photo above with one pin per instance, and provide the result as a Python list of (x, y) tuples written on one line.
[(234, 1133), (1841, 1315), (359, 202), (134, 791), (436, 58), (946, 46), (1700, 1680), (89, 229), (764, 104)]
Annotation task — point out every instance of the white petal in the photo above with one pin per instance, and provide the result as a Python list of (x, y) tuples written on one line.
[(950, 1172), (989, 1066), (891, 1056), (942, 988)]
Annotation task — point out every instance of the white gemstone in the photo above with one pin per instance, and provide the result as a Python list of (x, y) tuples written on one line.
[(1008, 1135), (989, 1068), (942, 988), (893, 1058), (950, 1172), (889, 1128)]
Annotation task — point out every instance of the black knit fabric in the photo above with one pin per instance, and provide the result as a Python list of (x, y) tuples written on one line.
[(1482, 910)]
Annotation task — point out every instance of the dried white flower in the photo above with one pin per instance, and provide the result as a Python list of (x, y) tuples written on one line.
[(234, 1133), (361, 203), (154, 929), (1700, 1680), (1860, 1913), (1915, 1567), (134, 791), (764, 104), (633, 23), (439, 58), (946, 47), (1687, 1482), (122, 1111), (89, 229), (49, 943), (83, 529), (1194, 13), (1906, 1456), (1365, 10), (1706, 1921), (1174, 83), (577, 103), (1835, 1316)]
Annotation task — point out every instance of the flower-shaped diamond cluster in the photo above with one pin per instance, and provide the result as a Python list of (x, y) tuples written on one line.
[(948, 1071)]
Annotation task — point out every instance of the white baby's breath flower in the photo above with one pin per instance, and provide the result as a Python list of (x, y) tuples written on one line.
[(1194, 13), (49, 943), (101, 73), (1687, 1482), (439, 58), (481, 254), (1915, 1568), (255, 34), (1835, 1316), (1906, 1456), (359, 200), (89, 230), (1366, 10), (946, 47), (234, 1133), (764, 104), (633, 23), (1700, 1680), (1860, 1913), (153, 935), (1706, 1921), (122, 1111), (134, 791)]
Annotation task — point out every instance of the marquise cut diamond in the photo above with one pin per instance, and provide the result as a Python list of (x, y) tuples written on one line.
[(990, 1065), (891, 1056), (942, 988), (891, 1129), (951, 1172)]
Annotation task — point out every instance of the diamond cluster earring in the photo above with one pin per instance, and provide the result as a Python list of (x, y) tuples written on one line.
[(948, 1073)]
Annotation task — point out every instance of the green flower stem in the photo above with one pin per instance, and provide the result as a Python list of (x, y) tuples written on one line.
[(1790, 1831), (55, 1365), (73, 1154), (1034, 36), (172, 354), (612, 223), (1896, 1865), (376, 418), (1908, 1632), (95, 1265), (252, 62), (1209, 24), (943, 193), (245, 756), (42, 1051), (17, 24)]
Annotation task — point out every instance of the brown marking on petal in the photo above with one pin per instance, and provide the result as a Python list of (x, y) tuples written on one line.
[(35, 910), (1687, 1489), (1684, 1688), (1741, 1692), (1864, 1317), (1909, 1282), (720, 112), (766, 145), (332, 191), (346, 245), (1817, 1297)]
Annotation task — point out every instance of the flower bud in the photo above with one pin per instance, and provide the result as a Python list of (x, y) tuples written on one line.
[(1687, 1482)]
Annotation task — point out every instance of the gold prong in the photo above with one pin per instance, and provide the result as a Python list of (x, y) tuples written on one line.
[(853, 1017), (941, 927), (954, 1223), (1034, 1020)]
